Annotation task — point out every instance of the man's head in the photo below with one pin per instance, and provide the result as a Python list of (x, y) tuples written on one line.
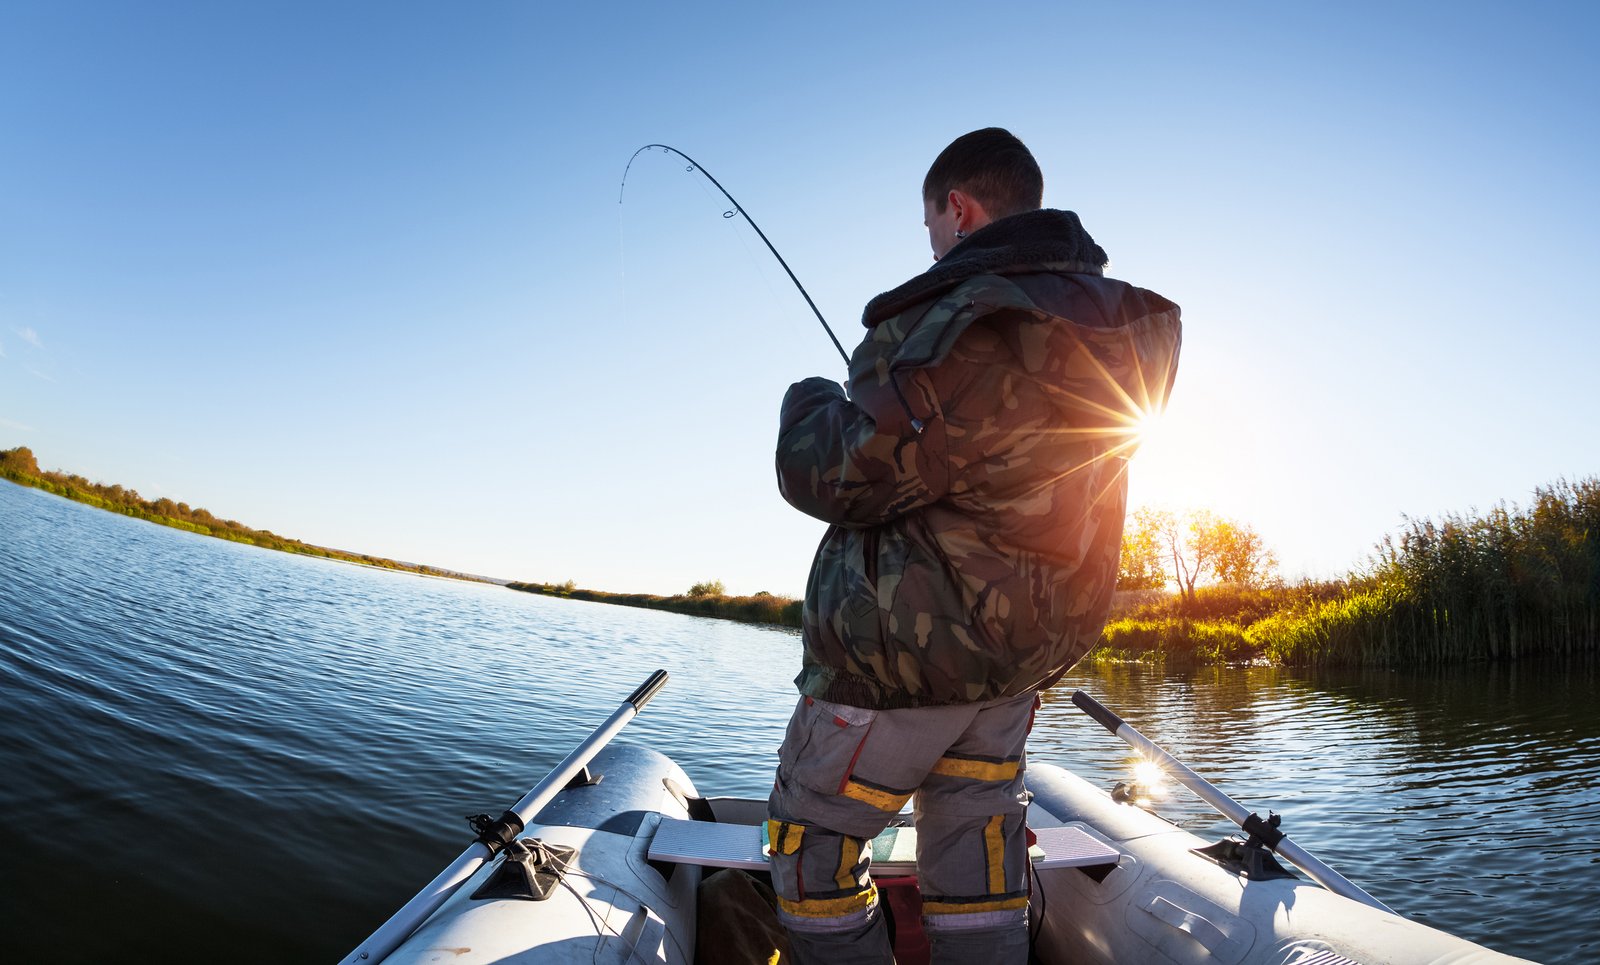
[(981, 177)]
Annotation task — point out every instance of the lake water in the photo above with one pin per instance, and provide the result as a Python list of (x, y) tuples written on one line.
[(209, 750)]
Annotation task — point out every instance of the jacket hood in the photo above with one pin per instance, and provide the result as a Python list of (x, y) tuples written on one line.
[(1092, 343), (1020, 243)]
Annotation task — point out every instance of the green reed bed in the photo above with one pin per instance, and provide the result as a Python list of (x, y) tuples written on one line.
[(1174, 638), (1502, 585), (1512, 582)]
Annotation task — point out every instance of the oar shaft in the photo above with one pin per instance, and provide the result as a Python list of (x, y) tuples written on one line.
[(1319, 872), (427, 901), (416, 911), (1208, 792), (585, 752)]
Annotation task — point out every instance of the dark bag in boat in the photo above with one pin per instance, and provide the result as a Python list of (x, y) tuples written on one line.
[(736, 922)]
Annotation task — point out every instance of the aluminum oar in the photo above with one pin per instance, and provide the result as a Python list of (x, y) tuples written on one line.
[(494, 836), (1229, 808)]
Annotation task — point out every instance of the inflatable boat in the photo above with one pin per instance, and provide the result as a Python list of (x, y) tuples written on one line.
[(607, 867)]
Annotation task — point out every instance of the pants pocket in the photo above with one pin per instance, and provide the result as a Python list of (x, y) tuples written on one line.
[(823, 743)]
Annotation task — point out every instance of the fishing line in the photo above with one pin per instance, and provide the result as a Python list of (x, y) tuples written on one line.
[(622, 260), (738, 209), (757, 264)]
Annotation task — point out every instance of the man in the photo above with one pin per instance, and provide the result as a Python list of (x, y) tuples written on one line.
[(975, 480)]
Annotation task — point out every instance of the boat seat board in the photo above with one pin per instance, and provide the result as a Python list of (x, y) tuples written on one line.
[(894, 852)]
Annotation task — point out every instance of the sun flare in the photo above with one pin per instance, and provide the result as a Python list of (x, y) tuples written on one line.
[(1148, 775), (1149, 429)]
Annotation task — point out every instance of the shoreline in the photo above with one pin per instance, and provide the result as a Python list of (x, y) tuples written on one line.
[(84, 494), (762, 609), (1492, 588)]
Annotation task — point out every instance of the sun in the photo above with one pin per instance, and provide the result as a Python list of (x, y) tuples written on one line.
[(1149, 429)]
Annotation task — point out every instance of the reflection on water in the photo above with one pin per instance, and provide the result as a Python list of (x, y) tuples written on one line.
[(208, 746), (1463, 797)]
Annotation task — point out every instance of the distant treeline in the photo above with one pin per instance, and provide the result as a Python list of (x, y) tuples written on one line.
[(20, 466), (702, 600), (1510, 583)]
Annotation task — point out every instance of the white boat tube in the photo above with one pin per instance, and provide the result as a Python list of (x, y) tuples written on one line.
[(1273, 839), (492, 838)]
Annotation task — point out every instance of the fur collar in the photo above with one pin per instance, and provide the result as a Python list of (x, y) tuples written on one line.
[(1016, 245)]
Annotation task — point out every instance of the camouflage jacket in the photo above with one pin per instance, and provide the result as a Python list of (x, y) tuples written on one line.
[(974, 557)]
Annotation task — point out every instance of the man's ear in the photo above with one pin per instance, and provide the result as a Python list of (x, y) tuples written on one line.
[(970, 215)]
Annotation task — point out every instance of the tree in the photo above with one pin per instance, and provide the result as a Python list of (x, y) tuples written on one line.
[(19, 460), (1240, 555), (708, 588), (1142, 565), (1190, 549)]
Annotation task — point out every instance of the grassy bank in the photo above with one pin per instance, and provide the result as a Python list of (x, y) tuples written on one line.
[(1222, 624), (1510, 583), (19, 466), (760, 608)]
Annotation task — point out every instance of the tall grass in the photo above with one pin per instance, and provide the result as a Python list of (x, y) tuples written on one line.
[(1509, 583), (1172, 638), (1497, 586)]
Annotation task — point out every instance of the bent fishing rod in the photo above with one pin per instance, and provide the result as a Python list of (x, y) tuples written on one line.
[(739, 209), (916, 424)]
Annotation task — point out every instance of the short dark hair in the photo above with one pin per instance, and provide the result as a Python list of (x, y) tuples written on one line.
[(991, 165)]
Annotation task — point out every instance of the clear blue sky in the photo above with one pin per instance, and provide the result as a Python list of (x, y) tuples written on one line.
[(357, 273)]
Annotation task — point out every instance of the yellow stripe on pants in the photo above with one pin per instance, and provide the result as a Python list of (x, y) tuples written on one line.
[(849, 854), (783, 837), (830, 907), (880, 798), (994, 847), (976, 770)]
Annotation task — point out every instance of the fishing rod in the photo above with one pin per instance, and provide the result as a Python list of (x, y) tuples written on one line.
[(917, 425), (739, 209)]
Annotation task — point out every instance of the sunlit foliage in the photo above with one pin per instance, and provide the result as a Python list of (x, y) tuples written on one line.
[(1143, 565), (1161, 548), (1501, 585)]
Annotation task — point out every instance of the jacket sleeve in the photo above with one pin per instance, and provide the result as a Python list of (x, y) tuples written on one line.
[(859, 465)]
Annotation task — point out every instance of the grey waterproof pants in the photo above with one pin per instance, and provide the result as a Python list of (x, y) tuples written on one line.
[(845, 772)]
